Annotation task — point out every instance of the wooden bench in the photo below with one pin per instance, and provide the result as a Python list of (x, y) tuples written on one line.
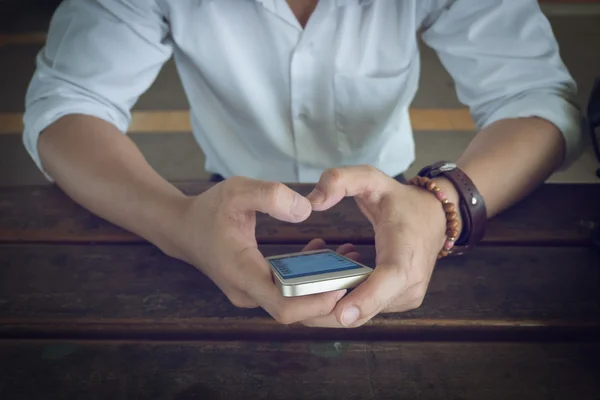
[(90, 311)]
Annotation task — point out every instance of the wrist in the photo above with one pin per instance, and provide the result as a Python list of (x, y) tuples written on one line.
[(453, 197), (470, 207), (168, 222), (443, 211)]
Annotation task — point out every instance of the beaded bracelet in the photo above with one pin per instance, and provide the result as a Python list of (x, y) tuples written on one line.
[(449, 209)]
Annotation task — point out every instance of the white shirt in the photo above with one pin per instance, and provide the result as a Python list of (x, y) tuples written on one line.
[(271, 100)]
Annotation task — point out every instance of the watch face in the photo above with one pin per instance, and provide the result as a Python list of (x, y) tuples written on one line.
[(441, 168), (447, 167)]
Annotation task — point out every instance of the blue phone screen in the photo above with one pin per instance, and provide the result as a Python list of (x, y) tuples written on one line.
[(312, 264)]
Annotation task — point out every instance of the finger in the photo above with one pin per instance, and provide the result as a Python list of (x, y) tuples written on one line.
[(354, 256), (345, 249), (240, 300), (286, 310), (411, 300), (372, 296), (319, 244), (337, 183), (390, 279), (273, 198), (324, 321), (315, 244), (367, 300), (348, 250)]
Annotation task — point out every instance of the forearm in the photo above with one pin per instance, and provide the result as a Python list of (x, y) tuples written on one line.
[(101, 169), (510, 158)]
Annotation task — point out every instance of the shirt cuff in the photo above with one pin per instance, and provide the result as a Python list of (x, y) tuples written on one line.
[(564, 115), (43, 113)]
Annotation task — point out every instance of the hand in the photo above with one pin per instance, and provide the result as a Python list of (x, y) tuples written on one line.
[(409, 225), (218, 237)]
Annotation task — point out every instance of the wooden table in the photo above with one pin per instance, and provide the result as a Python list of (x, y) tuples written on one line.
[(89, 311)]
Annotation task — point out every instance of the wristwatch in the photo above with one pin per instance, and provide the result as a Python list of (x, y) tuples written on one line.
[(471, 204)]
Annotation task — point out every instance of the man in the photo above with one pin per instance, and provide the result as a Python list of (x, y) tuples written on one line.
[(300, 91)]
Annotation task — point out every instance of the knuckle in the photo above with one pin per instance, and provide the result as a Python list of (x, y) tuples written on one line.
[(414, 304), (284, 316), (231, 189), (333, 174), (370, 169), (233, 183), (241, 301), (309, 323), (327, 308), (418, 297), (271, 192)]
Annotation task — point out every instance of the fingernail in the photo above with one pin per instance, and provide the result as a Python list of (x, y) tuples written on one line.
[(350, 315), (301, 207), (340, 294), (316, 196)]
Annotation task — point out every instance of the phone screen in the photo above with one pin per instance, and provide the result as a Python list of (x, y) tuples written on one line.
[(312, 264)]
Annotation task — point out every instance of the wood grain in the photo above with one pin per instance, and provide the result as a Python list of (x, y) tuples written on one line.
[(553, 215), (124, 291), (310, 370)]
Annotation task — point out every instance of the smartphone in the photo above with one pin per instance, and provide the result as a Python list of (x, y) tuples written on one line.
[(317, 271)]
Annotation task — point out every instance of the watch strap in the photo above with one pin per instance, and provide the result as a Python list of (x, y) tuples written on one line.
[(471, 203)]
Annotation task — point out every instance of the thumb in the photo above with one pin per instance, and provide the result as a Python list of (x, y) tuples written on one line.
[(273, 198), (388, 281), (337, 183), (383, 285)]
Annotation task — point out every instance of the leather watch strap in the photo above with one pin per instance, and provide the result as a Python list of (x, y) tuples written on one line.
[(471, 204)]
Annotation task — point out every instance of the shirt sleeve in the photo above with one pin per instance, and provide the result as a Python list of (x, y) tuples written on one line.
[(99, 57), (505, 62)]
